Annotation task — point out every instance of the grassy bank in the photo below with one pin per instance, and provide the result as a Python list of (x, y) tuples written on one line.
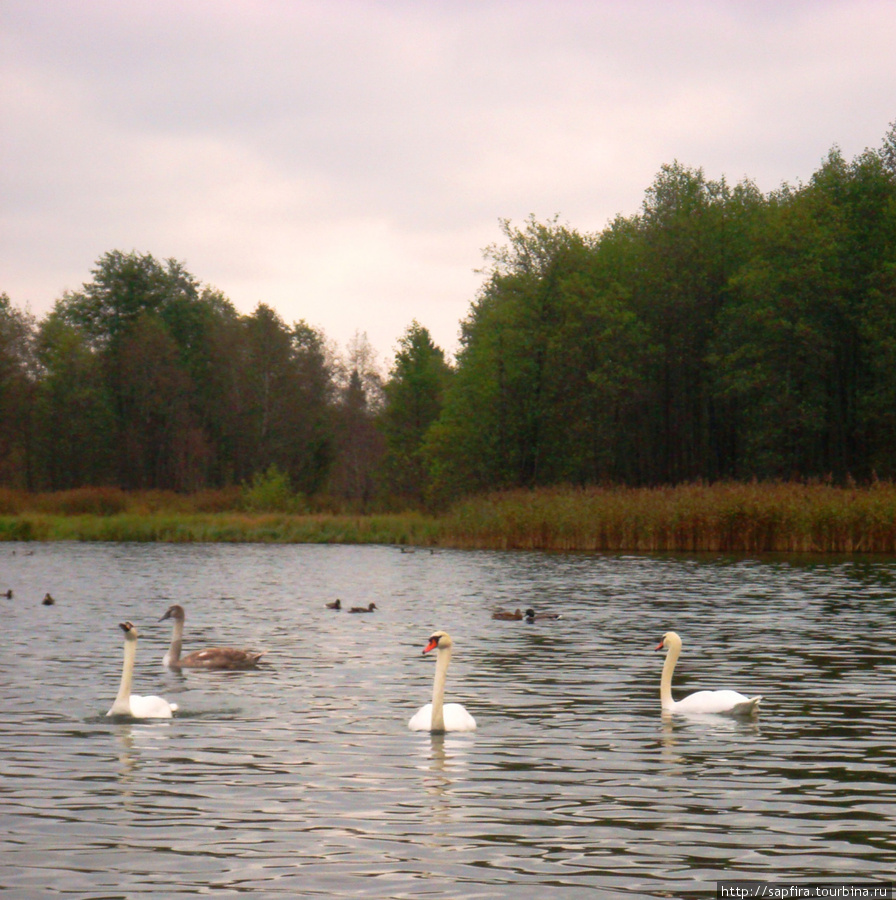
[(751, 518), (222, 527)]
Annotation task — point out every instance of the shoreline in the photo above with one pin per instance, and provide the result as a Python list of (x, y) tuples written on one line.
[(726, 518)]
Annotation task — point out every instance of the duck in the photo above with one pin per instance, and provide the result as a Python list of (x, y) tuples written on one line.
[(438, 716), (727, 702), (8, 594), (532, 616), (507, 616), (128, 704), (363, 609), (211, 657), (336, 604), (48, 600)]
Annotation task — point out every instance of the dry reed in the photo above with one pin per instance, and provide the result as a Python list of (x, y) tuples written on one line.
[(745, 518)]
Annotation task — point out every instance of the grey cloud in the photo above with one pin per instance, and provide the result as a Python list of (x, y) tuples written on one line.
[(347, 161)]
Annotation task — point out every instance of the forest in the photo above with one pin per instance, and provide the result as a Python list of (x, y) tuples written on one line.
[(719, 334)]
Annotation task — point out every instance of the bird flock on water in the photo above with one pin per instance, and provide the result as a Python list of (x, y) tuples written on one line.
[(436, 716)]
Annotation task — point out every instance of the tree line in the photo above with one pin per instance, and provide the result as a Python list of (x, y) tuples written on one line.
[(718, 334), (145, 379)]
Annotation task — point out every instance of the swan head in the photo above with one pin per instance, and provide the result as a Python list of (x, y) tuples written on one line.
[(130, 630), (175, 612), (670, 640), (438, 640)]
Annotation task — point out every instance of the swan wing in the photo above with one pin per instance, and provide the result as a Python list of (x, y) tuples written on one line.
[(716, 702), (422, 719), (457, 718), (220, 658), (151, 707)]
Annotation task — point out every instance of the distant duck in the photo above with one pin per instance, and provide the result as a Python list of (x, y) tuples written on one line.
[(532, 616), (48, 600), (211, 657), (336, 604), (408, 550), (128, 704), (507, 616), (730, 702), (8, 594), (363, 609)]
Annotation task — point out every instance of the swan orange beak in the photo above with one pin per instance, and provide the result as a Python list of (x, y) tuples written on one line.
[(659, 646), (433, 643)]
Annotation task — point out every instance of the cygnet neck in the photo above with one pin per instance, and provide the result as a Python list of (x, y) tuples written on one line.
[(172, 657)]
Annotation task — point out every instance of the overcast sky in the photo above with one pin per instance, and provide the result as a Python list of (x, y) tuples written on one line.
[(346, 161)]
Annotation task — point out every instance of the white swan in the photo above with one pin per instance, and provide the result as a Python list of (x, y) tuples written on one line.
[(439, 716), (211, 657), (128, 704), (730, 702)]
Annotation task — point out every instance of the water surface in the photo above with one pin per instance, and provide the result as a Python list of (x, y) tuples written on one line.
[(301, 779)]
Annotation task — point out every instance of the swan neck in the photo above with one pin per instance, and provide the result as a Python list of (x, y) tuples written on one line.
[(122, 704), (672, 654), (172, 657), (438, 690)]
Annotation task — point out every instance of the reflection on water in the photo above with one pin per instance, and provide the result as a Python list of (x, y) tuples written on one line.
[(302, 779)]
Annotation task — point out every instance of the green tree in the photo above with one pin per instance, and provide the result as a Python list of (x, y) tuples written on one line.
[(693, 235), (124, 287), (162, 446), (413, 401), (132, 313), (359, 445), (74, 434), (805, 353), (287, 400), (315, 409), (497, 428), (17, 384)]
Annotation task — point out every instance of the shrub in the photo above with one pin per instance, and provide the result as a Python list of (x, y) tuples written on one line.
[(270, 491)]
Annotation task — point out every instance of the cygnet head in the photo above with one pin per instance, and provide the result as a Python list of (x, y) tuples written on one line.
[(438, 640), (670, 640), (175, 612)]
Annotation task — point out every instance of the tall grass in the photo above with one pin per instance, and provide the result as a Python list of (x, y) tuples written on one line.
[(747, 518), (751, 518)]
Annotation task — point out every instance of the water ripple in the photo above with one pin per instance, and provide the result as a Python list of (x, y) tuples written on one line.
[(301, 779)]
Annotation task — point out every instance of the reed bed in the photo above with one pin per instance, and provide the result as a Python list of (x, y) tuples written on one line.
[(745, 518), (735, 518)]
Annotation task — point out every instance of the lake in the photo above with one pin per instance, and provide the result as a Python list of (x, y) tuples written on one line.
[(301, 779)]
